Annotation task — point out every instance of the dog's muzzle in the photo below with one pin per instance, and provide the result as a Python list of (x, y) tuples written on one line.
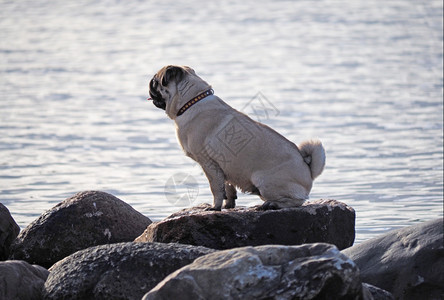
[(158, 101)]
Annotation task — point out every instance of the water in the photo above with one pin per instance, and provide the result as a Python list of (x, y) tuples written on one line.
[(365, 77)]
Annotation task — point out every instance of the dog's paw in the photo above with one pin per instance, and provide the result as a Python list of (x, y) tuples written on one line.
[(268, 206), (213, 209), (230, 204)]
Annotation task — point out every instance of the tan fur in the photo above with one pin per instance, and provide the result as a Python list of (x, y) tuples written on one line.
[(235, 150)]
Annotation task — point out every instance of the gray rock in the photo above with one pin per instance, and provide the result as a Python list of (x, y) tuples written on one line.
[(407, 262), (327, 221), (117, 271), (84, 220), (8, 231), (376, 293), (309, 271), (20, 280)]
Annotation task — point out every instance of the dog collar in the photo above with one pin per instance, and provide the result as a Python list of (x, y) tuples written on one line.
[(195, 100)]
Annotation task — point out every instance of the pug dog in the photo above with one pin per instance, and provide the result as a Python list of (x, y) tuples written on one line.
[(233, 150)]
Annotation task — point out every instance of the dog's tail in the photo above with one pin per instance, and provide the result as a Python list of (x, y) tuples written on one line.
[(313, 154)]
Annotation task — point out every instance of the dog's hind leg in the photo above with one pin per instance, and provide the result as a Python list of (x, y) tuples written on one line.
[(231, 195)]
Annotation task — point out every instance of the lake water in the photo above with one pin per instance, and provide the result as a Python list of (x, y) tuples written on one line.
[(364, 76)]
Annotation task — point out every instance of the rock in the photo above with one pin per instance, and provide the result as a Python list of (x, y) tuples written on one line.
[(84, 220), (327, 221), (20, 280), (8, 231), (265, 272), (376, 293), (117, 271), (407, 262)]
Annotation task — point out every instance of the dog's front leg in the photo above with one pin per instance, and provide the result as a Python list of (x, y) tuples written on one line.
[(216, 177)]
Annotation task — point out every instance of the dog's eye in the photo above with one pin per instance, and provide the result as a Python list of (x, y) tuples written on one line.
[(164, 82), (153, 83)]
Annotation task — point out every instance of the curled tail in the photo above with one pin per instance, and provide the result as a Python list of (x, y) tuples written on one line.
[(313, 154)]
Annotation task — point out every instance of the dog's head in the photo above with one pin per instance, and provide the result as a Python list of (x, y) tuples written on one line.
[(173, 86)]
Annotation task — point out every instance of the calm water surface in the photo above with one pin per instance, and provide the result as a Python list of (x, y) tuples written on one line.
[(365, 77)]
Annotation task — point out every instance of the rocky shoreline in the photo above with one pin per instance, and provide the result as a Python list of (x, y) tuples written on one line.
[(95, 246)]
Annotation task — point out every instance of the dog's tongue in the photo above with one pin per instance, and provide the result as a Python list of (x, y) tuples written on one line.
[(149, 99)]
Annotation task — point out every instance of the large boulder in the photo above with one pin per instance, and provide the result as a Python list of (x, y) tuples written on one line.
[(8, 231), (327, 221), (311, 271), (20, 280), (117, 271), (84, 220), (407, 262)]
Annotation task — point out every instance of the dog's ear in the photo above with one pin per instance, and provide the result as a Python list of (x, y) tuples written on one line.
[(172, 73)]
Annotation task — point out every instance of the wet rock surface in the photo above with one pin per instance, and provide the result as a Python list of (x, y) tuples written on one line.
[(117, 271), (375, 293), (407, 262), (327, 221), (8, 231), (311, 271), (20, 280), (87, 219)]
